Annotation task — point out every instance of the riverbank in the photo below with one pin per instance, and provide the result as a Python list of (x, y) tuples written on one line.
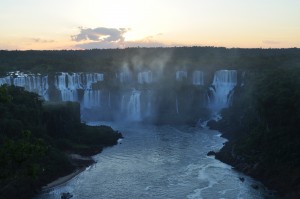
[(80, 162), (246, 154), (270, 156), (61, 180), (256, 156), (284, 180)]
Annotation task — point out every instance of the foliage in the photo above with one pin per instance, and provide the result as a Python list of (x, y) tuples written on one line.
[(263, 126), (172, 59), (18, 156), (30, 135)]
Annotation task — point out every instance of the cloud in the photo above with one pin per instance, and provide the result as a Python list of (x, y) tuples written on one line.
[(100, 34), (102, 37)]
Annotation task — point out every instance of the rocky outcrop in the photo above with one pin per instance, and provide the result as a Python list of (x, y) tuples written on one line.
[(211, 153), (251, 166)]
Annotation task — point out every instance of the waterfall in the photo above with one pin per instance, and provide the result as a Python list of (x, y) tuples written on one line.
[(180, 75), (20, 81), (44, 88), (149, 107), (124, 76), (60, 81), (93, 78), (123, 109), (5, 80), (77, 80), (65, 84), (68, 83), (198, 78), (109, 100), (32, 83), (145, 77), (69, 95), (92, 99), (134, 106), (223, 83), (74, 81)]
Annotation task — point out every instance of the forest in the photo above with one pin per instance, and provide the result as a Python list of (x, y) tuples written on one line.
[(262, 126), (174, 58), (37, 138)]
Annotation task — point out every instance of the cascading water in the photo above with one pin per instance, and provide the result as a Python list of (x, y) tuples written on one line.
[(145, 77), (124, 76), (44, 88), (74, 81), (109, 100), (92, 99), (5, 80), (93, 78), (137, 105), (66, 87), (123, 104), (223, 83), (149, 106), (69, 95), (134, 106), (60, 81), (198, 78), (68, 84), (180, 75), (31, 83)]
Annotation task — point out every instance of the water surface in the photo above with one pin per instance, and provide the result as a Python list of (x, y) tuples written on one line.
[(160, 162)]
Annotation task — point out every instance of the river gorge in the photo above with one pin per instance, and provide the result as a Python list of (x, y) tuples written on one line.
[(162, 117), (160, 162)]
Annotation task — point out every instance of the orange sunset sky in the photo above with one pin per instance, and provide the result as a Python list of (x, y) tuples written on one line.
[(86, 24)]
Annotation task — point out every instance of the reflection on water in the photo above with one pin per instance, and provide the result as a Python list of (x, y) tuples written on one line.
[(160, 162)]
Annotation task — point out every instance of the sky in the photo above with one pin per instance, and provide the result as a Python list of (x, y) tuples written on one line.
[(88, 24)]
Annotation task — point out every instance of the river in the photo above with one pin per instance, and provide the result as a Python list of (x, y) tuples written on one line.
[(160, 162)]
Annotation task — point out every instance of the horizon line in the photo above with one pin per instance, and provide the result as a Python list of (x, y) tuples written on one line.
[(157, 47)]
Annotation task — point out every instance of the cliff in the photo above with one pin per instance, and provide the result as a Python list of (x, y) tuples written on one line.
[(36, 141), (262, 126)]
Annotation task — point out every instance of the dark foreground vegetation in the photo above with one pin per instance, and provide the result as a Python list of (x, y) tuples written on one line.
[(262, 126), (37, 140)]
